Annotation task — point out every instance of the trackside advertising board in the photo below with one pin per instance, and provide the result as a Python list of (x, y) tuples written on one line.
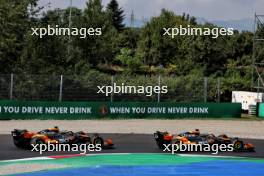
[(92, 110)]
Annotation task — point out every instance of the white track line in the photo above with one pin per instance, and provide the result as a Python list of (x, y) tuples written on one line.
[(27, 159)]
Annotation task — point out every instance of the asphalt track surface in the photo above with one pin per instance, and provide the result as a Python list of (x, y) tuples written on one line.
[(124, 143)]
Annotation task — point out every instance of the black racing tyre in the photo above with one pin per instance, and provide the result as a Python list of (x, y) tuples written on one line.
[(98, 140), (87, 142), (177, 142), (238, 145), (223, 136), (36, 141), (160, 144), (210, 139), (18, 144), (79, 140)]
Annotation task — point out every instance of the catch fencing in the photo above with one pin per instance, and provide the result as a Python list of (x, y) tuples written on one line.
[(84, 88)]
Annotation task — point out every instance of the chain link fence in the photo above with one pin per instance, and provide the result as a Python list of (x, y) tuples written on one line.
[(84, 88)]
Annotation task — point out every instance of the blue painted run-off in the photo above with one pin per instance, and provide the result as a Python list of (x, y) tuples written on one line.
[(210, 168)]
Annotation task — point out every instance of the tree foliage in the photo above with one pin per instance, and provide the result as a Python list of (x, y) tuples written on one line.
[(14, 24), (117, 15), (137, 50)]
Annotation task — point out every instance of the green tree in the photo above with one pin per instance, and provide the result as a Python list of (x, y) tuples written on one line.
[(129, 39), (117, 15), (14, 24), (49, 54), (153, 47), (125, 57)]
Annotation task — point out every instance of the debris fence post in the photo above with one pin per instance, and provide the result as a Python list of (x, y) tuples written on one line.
[(61, 87), (218, 90), (11, 86), (159, 80), (112, 84), (205, 88)]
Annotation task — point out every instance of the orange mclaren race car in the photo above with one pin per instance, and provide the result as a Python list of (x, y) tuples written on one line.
[(195, 137), (25, 138)]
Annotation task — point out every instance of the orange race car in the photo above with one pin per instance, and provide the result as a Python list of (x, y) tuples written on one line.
[(25, 138), (195, 137)]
